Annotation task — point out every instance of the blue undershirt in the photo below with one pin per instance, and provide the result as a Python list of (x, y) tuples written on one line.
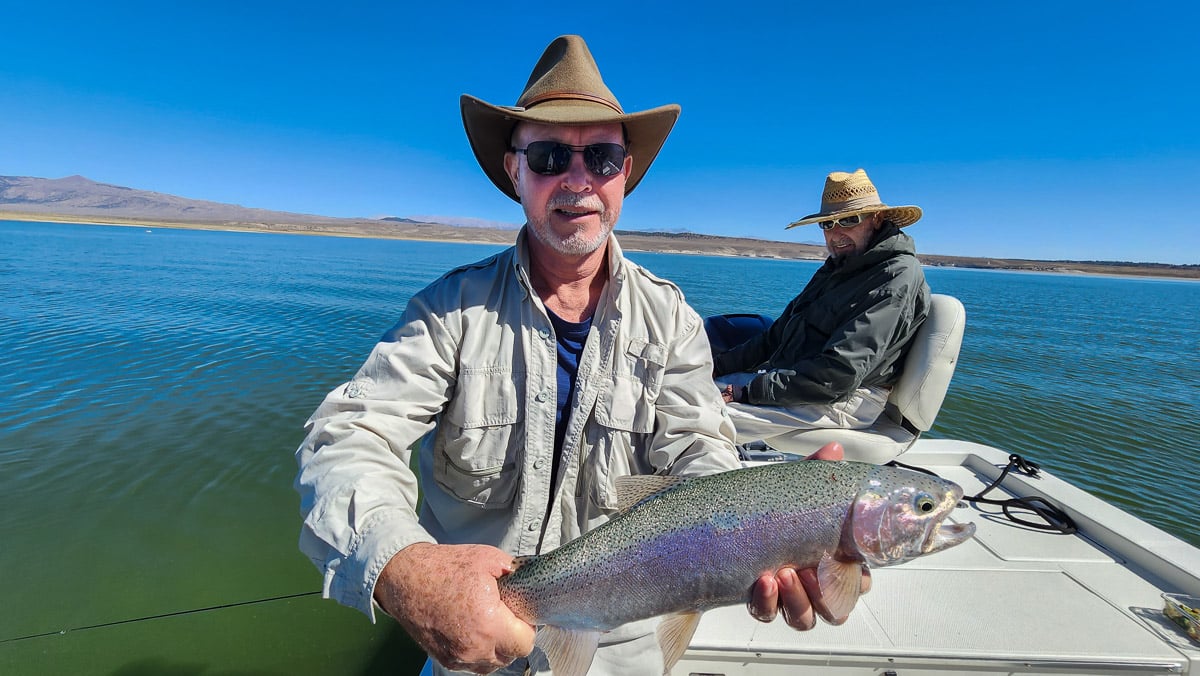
[(570, 337)]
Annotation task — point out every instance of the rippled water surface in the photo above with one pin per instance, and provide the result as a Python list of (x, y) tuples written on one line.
[(155, 384), (1092, 377)]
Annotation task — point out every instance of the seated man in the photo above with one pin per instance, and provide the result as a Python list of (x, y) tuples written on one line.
[(830, 359)]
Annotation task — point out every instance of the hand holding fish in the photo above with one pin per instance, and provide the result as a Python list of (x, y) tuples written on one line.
[(715, 538), (797, 592), (446, 598)]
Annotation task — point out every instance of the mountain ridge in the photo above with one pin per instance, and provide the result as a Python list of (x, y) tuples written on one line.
[(81, 200), (82, 196)]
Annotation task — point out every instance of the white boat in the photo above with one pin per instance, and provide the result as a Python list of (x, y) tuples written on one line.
[(1012, 600)]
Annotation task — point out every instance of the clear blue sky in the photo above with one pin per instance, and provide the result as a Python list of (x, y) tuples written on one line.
[(1051, 130)]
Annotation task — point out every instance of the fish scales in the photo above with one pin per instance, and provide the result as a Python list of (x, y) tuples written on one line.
[(689, 545), (696, 546)]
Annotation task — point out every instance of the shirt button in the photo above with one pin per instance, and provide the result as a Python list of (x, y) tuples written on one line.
[(541, 396), (539, 463), (544, 333), (532, 527)]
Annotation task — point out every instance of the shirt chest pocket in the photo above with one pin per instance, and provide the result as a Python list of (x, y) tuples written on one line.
[(480, 439), (628, 401)]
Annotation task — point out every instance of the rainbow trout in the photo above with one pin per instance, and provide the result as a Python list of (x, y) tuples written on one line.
[(685, 545)]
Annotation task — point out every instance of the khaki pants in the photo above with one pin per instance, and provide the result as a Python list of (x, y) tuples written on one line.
[(755, 423)]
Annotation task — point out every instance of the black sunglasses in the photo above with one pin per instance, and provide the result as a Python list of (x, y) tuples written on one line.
[(551, 158)]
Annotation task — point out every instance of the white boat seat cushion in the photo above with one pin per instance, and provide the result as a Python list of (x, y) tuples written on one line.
[(915, 399)]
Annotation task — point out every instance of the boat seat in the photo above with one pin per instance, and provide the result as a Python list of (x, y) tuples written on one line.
[(915, 399)]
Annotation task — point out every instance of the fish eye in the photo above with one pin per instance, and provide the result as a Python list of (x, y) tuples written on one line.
[(924, 503)]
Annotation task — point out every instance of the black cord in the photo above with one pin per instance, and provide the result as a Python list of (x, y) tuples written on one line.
[(1056, 519)]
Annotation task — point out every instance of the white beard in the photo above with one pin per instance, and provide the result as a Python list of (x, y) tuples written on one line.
[(575, 243)]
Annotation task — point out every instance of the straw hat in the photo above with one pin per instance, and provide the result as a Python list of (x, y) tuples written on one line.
[(849, 194), (564, 88)]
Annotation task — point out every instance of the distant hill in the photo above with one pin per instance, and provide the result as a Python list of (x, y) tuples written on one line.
[(76, 195), (466, 222), (81, 200)]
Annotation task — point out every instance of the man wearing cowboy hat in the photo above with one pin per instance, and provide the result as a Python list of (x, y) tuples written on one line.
[(830, 359), (532, 381)]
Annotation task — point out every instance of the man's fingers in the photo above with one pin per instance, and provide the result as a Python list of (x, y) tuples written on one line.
[(796, 604), (796, 593), (808, 578), (446, 598), (480, 668), (830, 451), (764, 598), (518, 641)]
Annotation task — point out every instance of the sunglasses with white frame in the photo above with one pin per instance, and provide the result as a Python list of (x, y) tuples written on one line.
[(845, 221)]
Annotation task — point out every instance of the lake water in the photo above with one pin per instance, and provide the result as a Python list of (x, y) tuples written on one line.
[(155, 384)]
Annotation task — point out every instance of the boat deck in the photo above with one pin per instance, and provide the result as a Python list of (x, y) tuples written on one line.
[(1011, 600)]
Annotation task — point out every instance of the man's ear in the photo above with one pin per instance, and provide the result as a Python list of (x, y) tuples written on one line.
[(512, 167)]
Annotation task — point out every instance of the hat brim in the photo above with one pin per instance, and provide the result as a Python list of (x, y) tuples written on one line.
[(901, 216), (489, 130)]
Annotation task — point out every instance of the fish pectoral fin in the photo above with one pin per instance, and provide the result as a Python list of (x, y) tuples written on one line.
[(674, 636), (841, 584), (570, 652)]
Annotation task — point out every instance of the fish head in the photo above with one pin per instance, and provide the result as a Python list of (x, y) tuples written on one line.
[(900, 515)]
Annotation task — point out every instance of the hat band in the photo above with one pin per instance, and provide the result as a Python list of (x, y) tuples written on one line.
[(577, 96), (860, 203)]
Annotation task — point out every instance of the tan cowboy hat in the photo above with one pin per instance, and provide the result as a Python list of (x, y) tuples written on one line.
[(564, 88), (849, 194)]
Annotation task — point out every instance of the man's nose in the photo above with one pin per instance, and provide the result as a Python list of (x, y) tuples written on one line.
[(577, 178)]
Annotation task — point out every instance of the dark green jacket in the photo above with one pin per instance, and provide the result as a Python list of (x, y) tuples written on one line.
[(849, 327)]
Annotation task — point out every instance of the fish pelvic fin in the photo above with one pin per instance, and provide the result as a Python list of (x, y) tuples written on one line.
[(636, 488), (841, 585), (674, 636), (570, 651)]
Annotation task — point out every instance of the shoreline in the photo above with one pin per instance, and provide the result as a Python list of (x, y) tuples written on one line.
[(647, 242)]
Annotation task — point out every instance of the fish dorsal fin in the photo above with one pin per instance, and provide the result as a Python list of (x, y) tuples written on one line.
[(841, 584), (570, 652), (633, 489), (674, 636)]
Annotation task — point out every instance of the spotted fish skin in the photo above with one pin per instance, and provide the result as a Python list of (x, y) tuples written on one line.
[(702, 542)]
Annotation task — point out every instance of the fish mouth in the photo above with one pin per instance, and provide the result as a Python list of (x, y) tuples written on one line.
[(949, 534)]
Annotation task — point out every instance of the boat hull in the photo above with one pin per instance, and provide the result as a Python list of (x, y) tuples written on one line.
[(1011, 600)]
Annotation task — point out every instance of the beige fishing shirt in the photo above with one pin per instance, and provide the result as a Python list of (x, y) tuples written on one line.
[(470, 372)]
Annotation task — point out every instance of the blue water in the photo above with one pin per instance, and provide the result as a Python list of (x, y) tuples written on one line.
[(1093, 377), (155, 383)]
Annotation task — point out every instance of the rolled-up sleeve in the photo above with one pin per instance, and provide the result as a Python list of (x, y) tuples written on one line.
[(693, 434), (358, 493)]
